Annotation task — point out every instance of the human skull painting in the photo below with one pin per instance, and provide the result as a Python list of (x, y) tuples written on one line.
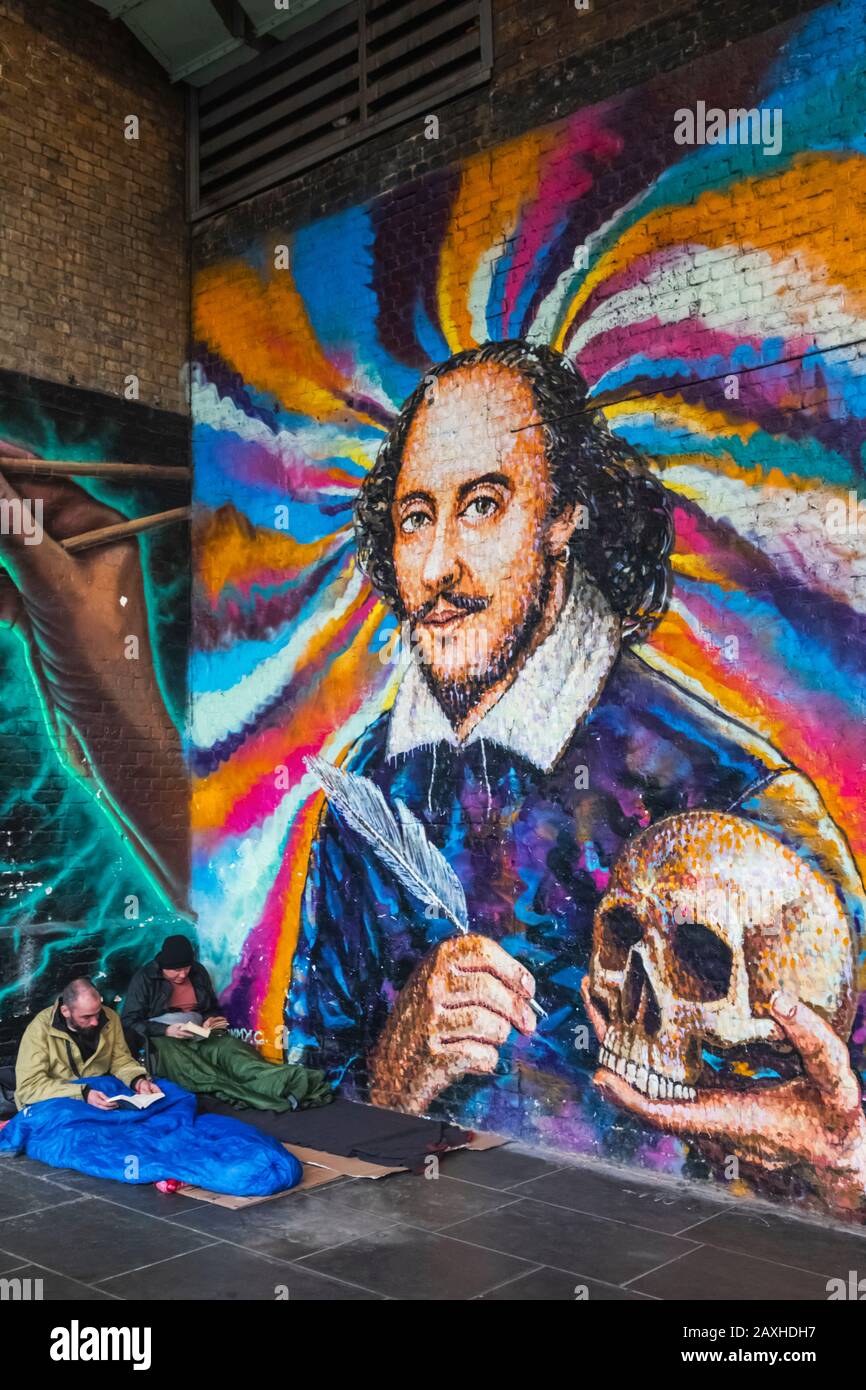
[(705, 917)]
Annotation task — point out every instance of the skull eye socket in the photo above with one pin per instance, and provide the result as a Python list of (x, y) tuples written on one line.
[(621, 930), (703, 962)]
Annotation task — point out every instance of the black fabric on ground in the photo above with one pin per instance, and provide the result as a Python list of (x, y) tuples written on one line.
[(354, 1131), (7, 1092)]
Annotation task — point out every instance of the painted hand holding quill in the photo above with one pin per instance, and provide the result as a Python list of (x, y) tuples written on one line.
[(400, 842)]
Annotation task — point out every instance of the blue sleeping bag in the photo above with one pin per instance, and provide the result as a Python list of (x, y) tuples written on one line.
[(168, 1140)]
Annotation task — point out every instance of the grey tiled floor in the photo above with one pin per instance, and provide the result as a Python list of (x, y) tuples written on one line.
[(502, 1225)]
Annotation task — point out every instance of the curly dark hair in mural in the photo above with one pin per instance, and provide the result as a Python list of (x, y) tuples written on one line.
[(627, 542)]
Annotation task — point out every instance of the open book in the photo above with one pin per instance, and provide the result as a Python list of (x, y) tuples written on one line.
[(192, 1022), (137, 1102), (197, 1029)]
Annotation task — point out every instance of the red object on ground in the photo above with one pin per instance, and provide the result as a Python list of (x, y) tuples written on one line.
[(168, 1185)]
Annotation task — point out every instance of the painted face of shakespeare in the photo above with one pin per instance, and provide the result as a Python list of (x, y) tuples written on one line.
[(474, 542)]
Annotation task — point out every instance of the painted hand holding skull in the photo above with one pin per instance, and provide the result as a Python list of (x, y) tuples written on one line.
[(722, 991)]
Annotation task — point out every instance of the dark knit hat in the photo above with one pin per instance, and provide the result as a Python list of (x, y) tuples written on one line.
[(176, 952)]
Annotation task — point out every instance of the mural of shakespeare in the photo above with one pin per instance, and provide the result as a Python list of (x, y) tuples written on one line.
[(529, 656), (502, 518)]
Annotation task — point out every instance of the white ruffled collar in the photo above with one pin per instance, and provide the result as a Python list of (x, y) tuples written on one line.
[(537, 715)]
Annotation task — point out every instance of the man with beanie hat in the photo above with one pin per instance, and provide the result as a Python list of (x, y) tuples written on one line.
[(174, 982), (175, 986)]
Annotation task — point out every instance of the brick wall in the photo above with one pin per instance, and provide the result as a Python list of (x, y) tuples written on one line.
[(94, 265), (549, 59), (94, 251)]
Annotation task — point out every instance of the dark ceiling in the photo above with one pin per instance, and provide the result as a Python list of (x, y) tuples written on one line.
[(198, 40)]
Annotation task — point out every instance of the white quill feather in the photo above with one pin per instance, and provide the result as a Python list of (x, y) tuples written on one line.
[(400, 841)]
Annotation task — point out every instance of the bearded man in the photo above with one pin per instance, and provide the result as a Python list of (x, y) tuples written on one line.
[(76, 1037)]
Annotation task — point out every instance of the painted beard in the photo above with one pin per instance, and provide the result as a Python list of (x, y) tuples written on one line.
[(459, 695)]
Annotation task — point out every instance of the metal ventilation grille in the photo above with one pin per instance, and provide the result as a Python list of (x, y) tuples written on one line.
[(366, 65)]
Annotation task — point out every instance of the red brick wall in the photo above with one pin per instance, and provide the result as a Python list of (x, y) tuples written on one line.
[(94, 253)]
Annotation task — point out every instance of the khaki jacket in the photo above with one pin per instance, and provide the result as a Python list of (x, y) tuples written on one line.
[(49, 1058)]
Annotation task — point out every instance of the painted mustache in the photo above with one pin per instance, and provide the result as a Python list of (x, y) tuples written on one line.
[(466, 603)]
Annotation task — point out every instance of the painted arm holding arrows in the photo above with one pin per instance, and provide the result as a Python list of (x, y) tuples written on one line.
[(75, 602)]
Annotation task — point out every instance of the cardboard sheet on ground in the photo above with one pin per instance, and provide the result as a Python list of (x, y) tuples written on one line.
[(321, 1168)]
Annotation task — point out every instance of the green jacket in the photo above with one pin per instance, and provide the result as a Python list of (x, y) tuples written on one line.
[(49, 1058)]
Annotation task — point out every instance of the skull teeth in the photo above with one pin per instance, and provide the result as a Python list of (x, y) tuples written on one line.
[(652, 1083)]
